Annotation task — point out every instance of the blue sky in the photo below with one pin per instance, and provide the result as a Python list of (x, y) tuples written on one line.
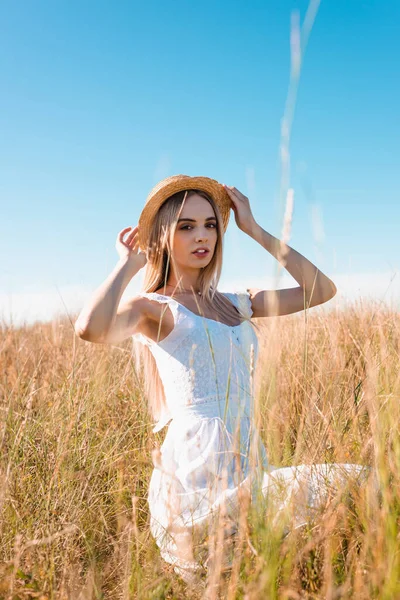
[(101, 100)]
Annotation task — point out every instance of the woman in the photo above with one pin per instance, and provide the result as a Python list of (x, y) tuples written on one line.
[(199, 349)]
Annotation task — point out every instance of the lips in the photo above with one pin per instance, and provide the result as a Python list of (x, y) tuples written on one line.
[(197, 253), (201, 248)]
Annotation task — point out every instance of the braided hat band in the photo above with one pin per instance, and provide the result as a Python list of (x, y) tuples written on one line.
[(177, 183)]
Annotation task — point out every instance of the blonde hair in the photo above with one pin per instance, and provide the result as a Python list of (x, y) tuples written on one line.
[(157, 270)]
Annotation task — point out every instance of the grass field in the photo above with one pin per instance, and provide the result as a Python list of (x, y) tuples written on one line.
[(76, 447)]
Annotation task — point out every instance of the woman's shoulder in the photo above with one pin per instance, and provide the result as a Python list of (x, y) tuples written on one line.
[(156, 316), (239, 298), (151, 297)]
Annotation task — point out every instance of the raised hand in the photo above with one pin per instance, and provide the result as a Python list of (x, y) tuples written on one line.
[(241, 208), (128, 249)]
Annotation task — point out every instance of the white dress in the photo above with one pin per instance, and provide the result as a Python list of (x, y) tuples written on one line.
[(211, 449)]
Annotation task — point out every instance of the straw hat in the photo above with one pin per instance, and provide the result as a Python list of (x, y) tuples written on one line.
[(176, 183)]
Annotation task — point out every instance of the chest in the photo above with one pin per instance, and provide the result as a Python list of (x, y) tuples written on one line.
[(200, 309), (160, 323), (199, 341)]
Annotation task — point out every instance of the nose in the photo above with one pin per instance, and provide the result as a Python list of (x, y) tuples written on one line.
[(201, 237)]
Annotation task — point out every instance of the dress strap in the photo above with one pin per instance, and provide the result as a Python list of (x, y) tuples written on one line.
[(242, 301), (173, 305), (158, 297)]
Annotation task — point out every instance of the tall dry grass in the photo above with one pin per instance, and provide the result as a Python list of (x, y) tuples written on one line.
[(76, 461)]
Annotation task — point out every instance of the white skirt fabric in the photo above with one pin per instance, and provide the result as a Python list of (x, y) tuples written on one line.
[(200, 469)]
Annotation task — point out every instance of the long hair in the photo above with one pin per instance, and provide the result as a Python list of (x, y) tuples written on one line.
[(159, 256)]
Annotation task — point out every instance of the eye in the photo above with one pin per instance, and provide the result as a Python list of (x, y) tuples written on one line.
[(212, 225)]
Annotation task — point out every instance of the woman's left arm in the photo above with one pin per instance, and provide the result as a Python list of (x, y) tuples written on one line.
[(314, 287)]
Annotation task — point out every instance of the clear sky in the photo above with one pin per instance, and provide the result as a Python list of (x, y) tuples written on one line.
[(100, 100)]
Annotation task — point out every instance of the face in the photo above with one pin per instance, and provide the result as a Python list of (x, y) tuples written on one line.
[(197, 226)]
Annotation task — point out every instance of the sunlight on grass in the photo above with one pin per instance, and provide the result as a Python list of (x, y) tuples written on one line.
[(76, 462)]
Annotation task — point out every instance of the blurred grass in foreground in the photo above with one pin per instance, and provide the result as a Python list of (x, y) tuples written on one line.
[(76, 462)]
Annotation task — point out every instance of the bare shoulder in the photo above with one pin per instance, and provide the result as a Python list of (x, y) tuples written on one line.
[(131, 317), (156, 320), (136, 315), (147, 311)]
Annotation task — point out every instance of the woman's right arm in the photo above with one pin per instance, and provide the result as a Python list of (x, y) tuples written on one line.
[(99, 321)]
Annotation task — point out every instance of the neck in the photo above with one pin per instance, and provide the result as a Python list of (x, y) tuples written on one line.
[(181, 288), (184, 282)]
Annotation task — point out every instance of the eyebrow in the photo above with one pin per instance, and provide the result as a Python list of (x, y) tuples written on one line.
[(194, 220)]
